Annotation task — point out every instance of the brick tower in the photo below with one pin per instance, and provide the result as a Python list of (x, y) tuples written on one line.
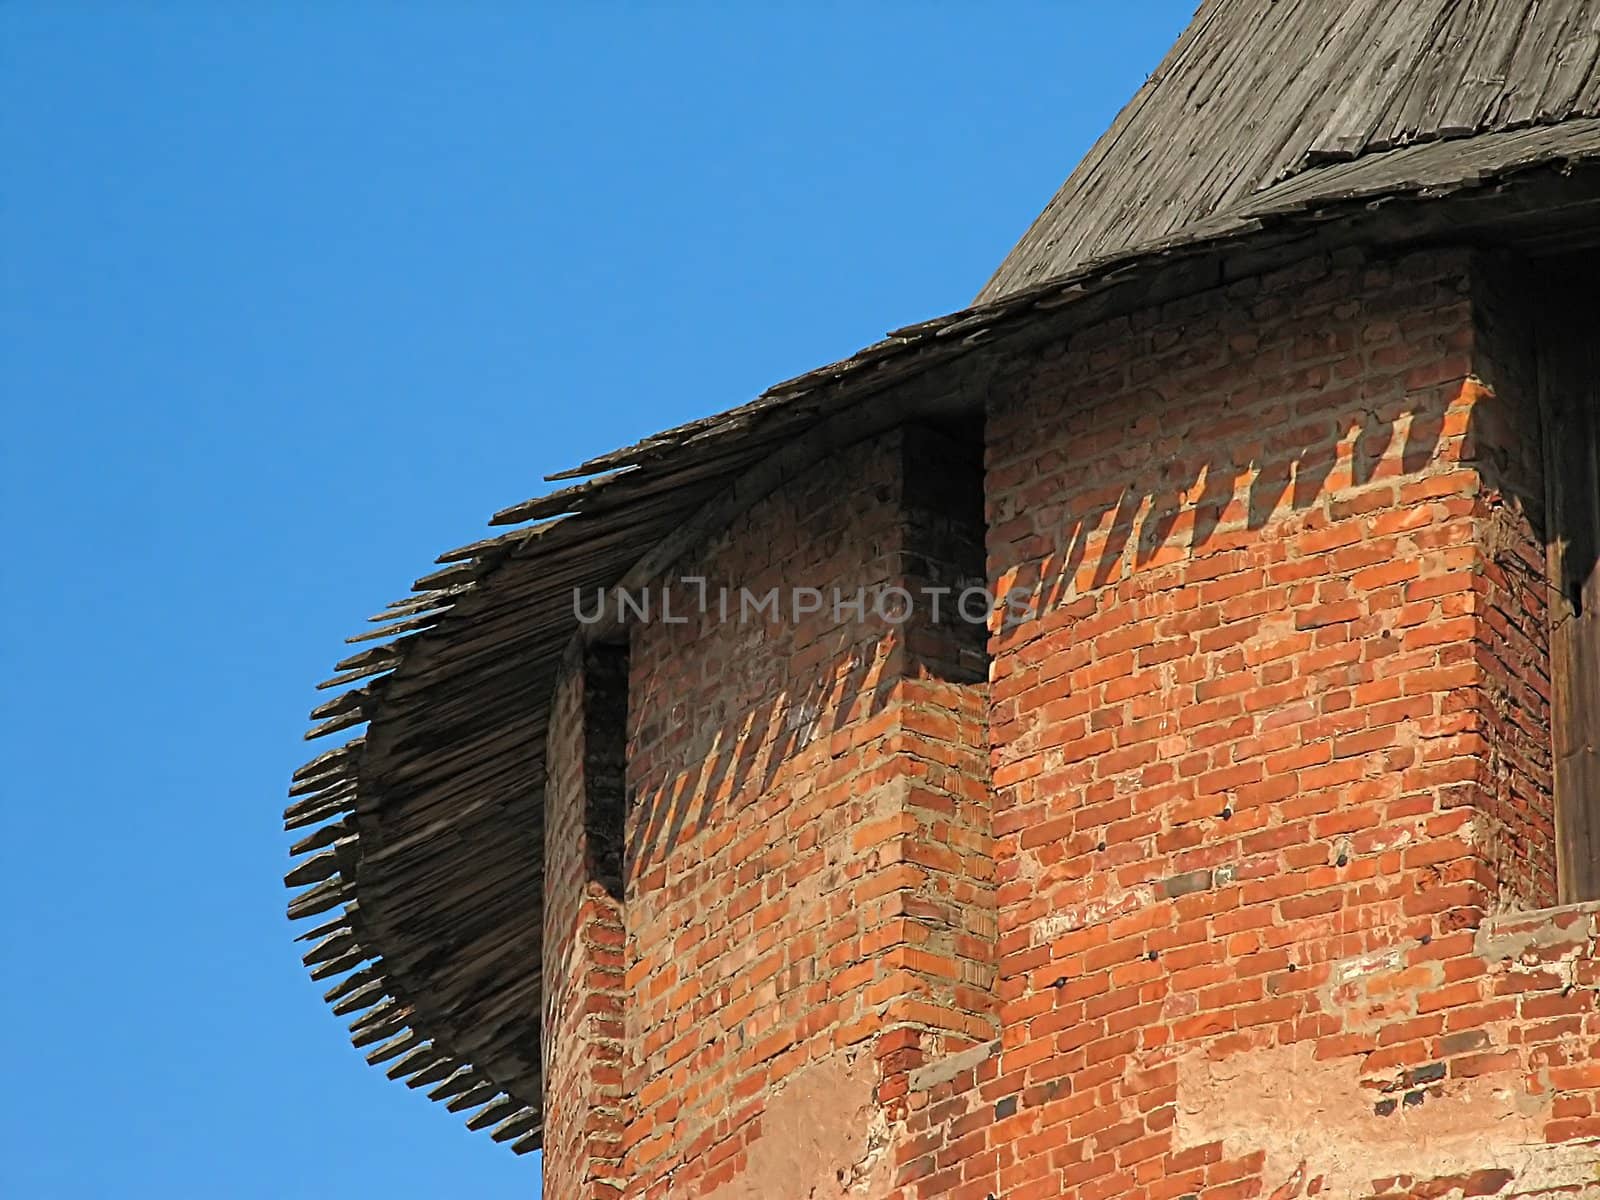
[(1137, 738)]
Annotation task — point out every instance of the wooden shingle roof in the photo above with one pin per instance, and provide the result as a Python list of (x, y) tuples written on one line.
[(1256, 92), (420, 851)]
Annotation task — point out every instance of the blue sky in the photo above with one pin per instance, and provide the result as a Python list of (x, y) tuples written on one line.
[(293, 297)]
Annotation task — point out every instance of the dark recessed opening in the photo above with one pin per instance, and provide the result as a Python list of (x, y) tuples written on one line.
[(605, 719), (945, 554), (1565, 316)]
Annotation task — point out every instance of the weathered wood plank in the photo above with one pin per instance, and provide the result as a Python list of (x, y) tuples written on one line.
[(1569, 406)]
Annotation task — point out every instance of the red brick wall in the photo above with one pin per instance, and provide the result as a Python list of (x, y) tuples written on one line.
[(809, 906), (1233, 905), (1268, 756), (1508, 1104)]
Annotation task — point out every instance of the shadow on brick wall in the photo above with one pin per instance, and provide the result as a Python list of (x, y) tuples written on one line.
[(1288, 472), (765, 743)]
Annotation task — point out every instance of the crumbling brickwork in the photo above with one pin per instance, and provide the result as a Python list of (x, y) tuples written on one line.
[(1221, 871)]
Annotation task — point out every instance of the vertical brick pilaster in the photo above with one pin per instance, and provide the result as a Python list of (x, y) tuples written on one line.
[(943, 740), (584, 935), (1511, 701)]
